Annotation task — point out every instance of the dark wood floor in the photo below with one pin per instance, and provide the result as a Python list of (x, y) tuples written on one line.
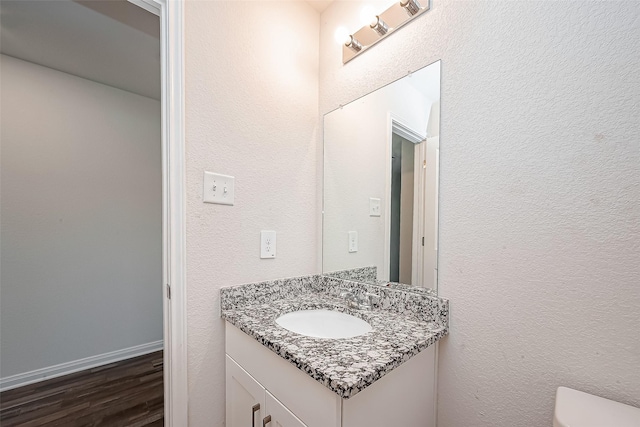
[(127, 393)]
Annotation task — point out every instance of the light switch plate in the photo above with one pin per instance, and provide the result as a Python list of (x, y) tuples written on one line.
[(374, 206), (353, 241), (267, 244), (218, 188)]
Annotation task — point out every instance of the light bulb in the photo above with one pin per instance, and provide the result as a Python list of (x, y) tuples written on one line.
[(367, 15), (341, 35)]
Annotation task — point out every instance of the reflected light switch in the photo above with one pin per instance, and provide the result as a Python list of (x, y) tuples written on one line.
[(353, 241), (374, 206)]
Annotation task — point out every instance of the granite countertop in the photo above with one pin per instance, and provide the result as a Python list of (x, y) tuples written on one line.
[(403, 325)]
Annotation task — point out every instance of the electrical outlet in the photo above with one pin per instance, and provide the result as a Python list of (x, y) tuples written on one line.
[(218, 188), (267, 244), (353, 241), (374, 206)]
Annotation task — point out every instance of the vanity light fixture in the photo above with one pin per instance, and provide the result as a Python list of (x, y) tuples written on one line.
[(353, 44), (411, 6), (383, 24), (379, 26)]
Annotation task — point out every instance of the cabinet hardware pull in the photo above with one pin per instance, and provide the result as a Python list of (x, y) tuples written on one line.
[(266, 420), (255, 408)]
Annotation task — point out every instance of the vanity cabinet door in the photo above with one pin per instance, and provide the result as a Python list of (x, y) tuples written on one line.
[(280, 415), (245, 397)]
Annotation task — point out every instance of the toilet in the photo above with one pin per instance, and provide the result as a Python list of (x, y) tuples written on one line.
[(578, 409)]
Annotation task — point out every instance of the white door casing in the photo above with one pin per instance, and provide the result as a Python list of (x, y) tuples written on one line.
[(171, 15), (430, 214)]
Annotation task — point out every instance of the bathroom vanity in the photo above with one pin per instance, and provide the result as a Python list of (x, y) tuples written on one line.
[(286, 373), (275, 377)]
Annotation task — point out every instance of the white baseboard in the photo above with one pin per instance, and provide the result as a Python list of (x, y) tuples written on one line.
[(42, 374)]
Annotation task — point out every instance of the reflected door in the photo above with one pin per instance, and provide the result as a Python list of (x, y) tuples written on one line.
[(402, 212)]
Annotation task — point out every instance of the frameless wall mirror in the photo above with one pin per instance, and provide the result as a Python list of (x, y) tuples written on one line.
[(380, 211)]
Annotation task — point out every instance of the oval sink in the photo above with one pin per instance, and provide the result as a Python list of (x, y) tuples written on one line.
[(323, 324)]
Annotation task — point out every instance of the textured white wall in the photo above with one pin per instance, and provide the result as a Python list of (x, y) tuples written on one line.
[(540, 170), (81, 218), (251, 112)]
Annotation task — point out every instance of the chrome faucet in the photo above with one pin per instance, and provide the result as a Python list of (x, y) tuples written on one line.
[(365, 302), (351, 298)]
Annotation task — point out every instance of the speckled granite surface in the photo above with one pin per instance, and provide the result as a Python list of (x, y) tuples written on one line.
[(369, 275), (408, 288), (361, 274), (403, 325)]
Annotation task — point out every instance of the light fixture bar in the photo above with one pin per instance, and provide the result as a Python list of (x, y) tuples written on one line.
[(383, 24)]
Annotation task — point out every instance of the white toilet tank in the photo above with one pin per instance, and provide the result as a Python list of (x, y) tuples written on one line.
[(578, 409)]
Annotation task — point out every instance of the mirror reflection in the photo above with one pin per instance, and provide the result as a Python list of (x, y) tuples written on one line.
[(380, 213)]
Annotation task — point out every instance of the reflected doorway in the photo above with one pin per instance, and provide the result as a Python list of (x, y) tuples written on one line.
[(402, 209)]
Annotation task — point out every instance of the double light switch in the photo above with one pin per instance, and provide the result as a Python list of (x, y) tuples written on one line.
[(218, 188)]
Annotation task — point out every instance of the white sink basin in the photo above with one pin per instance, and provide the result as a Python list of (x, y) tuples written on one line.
[(323, 324)]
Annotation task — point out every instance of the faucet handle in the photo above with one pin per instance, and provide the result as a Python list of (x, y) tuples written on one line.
[(368, 301), (345, 292), (374, 299), (364, 302)]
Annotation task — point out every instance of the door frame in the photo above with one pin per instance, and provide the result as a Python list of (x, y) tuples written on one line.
[(397, 125), (171, 14)]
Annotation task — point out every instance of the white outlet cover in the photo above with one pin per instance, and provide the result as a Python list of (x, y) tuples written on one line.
[(217, 188), (353, 241), (267, 244), (374, 206)]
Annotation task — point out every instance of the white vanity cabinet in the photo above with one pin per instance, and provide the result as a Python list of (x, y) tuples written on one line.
[(249, 404), (256, 375)]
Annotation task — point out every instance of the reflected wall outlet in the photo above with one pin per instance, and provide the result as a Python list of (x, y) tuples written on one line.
[(353, 241), (374, 206), (267, 244), (218, 188)]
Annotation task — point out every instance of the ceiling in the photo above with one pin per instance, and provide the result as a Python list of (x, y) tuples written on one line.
[(320, 5), (112, 42)]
